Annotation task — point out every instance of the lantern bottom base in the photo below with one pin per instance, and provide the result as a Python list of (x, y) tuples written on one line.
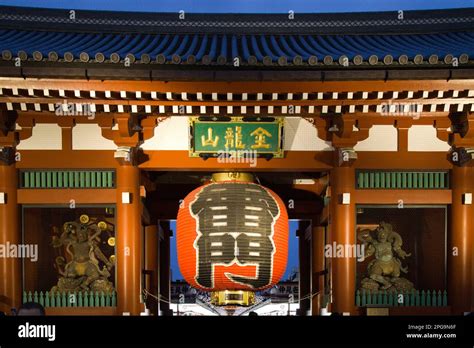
[(233, 297)]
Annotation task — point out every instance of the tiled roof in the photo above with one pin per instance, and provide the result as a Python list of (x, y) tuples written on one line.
[(189, 23), (222, 49), (422, 38)]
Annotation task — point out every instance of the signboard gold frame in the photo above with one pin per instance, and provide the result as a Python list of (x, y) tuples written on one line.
[(232, 120)]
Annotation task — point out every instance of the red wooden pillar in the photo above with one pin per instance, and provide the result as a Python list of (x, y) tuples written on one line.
[(460, 241), (129, 240), (129, 236), (342, 180), (10, 268)]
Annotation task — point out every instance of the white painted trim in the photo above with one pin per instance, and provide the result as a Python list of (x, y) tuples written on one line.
[(381, 138), (88, 136), (423, 138), (45, 136)]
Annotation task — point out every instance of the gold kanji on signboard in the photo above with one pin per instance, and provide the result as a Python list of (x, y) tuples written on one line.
[(209, 141), (260, 138), (232, 138)]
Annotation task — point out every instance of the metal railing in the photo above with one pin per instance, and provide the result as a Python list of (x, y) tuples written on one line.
[(415, 298), (71, 299)]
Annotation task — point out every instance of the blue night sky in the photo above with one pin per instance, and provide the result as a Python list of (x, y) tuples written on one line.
[(244, 6), (292, 252)]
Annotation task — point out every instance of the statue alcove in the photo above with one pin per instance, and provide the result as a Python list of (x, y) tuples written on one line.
[(423, 232), (41, 225)]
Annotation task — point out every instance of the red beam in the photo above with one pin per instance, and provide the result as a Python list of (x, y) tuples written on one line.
[(404, 196), (64, 196), (296, 161), (402, 160), (239, 87), (179, 160)]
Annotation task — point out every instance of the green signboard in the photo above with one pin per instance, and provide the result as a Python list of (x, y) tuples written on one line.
[(238, 136)]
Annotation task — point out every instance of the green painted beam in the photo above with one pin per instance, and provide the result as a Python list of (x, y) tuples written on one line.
[(376, 179), (68, 179)]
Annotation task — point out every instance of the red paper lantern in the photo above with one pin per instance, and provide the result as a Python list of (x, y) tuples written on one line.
[(232, 235)]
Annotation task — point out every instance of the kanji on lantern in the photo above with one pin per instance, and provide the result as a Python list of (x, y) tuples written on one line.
[(232, 235)]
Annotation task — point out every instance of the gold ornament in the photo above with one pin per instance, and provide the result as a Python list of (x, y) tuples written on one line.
[(84, 219), (233, 297), (102, 225), (111, 241), (112, 258), (233, 176)]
